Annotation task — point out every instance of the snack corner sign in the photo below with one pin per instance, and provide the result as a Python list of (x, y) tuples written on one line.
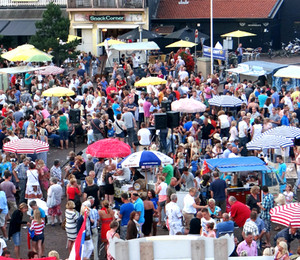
[(107, 18)]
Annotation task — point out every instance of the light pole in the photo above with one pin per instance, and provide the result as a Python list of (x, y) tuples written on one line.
[(211, 37)]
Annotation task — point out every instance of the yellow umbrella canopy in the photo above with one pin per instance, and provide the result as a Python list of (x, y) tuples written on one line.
[(22, 48), (72, 38), (238, 34), (111, 42), (144, 82), (181, 43), (58, 92)]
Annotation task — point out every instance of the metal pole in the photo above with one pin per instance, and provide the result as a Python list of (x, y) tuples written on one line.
[(141, 30), (211, 37)]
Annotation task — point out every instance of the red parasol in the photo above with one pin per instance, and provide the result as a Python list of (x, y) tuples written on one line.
[(108, 148), (26, 145), (286, 215)]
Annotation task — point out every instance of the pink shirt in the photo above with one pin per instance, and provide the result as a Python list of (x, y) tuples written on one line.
[(45, 113), (146, 107), (251, 250)]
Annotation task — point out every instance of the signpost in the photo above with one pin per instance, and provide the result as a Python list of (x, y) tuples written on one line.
[(214, 53)]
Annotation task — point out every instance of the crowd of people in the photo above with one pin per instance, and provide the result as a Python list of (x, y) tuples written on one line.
[(111, 107)]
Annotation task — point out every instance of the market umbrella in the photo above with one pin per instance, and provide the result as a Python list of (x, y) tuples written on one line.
[(51, 70), (73, 38), (145, 158), (286, 215), (225, 101), (286, 131), (187, 34), (144, 82), (238, 34), (10, 54), (269, 142), (181, 43), (135, 35), (26, 146), (33, 55), (188, 105), (58, 92), (108, 148), (292, 72), (110, 42)]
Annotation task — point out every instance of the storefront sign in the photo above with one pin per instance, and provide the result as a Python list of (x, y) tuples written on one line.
[(217, 54), (107, 18)]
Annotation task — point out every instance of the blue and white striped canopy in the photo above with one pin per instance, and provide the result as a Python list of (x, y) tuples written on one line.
[(269, 142), (286, 131), (145, 159), (225, 101)]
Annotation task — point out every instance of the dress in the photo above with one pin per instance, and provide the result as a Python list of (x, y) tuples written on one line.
[(33, 189), (105, 225), (109, 235), (147, 226), (71, 224)]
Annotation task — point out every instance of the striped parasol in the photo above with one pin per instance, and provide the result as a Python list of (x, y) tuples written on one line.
[(286, 215), (286, 131), (225, 101), (26, 146), (51, 70), (269, 142)]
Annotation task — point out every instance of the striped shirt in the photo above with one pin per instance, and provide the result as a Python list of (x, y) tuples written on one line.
[(38, 228)]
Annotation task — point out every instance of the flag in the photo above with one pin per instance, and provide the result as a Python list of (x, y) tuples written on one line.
[(77, 249), (44, 258), (205, 168)]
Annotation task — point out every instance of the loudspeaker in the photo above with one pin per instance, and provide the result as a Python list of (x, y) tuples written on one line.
[(173, 119), (160, 120), (166, 104), (74, 116)]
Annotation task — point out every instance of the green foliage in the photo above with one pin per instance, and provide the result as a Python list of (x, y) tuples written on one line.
[(53, 28)]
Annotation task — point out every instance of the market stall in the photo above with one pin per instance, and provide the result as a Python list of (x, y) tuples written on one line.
[(289, 76)]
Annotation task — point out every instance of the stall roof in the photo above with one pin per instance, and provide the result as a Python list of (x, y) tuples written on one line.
[(238, 164), (136, 46), (20, 69), (291, 71)]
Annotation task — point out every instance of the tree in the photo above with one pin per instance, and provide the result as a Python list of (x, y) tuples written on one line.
[(52, 34)]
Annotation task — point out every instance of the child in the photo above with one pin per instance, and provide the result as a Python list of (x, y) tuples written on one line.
[(194, 164), (289, 195), (210, 230), (181, 162), (110, 130), (161, 190)]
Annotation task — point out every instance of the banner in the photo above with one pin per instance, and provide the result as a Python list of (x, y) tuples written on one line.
[(217, 54), (44, 258)]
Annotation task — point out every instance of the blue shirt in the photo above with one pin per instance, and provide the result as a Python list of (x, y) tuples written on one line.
[(25, 125), (262, 99), (218, 187), (139, 207), (188, 125), (194, 165), (3, 203), (43, 215), (94, 216), (125, 211), (267, 203), (225, 226), (114, 107), (275, 96), (285, 121)]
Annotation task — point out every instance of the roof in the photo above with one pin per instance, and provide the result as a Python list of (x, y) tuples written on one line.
[(170, 9), (136, 46), (238, 164), (164, 29)]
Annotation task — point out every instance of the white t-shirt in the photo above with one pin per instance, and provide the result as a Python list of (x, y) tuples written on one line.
[(188, 202), (145, 135), (204, 222), (2, 245), (233, 133), (2, 99), (224, 121), (288, 101), (242, 127), (173, 212), (141, 102), (163, 189)]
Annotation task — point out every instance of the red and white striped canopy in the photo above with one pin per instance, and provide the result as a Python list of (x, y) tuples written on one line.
[(26, 145), (51, 70), (286, 215)]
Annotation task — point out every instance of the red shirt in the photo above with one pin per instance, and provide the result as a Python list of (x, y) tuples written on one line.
[(4, 112), (20, 124), (240, 213), (109, 91), (120, 83), (177, 93), (72, 191)]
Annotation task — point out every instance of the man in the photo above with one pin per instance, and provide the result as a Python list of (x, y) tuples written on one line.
[(250, 226), (274, 117), (174, 216), (10, 190), (248, 245), (97, 127), (171, 188), (139, 207), (260, 225), (239, 211), (218, 191), (124, 214), (189, 208), (55, 171), (187, 178), (262, 98), (116, 107), (281, 172), (243, 133), (226, 226), (87, 59), (28, 78), (74, 82), (208, 130), (289, 234), (265, 206), (275, 97), (130, 124), (285, 118), (144, 137), (168, 173), (3, 213), (228, 151), (206, 218), (89, 164), (20, 174), (195, 224), (154, 106), (240, 53), (235, 153), (33, 205)]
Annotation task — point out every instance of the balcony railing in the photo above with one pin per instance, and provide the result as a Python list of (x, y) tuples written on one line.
[(24, 3), (130, 4)]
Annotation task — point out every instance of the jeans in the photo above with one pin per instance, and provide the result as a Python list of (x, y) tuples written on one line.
[(123, 232), (95, 242), (56, 139), (163, 139), (22, 187), (130, 132)]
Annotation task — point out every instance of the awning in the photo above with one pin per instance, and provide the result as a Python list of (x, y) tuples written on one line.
[(19, 28), (3, 24), (116, 26), (20, 69), (291, 71), (136, 46), (82, 26)]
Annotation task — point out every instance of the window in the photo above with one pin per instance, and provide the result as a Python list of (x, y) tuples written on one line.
[(183, 2), (79, 34)]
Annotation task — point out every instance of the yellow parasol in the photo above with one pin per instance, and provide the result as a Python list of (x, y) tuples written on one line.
[(58, 92), (238, 34), (182, 43), (72, 38), (144, 82), (22, 48), (111, 42)]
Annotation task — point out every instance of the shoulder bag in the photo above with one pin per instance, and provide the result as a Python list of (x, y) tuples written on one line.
[(125, 131)]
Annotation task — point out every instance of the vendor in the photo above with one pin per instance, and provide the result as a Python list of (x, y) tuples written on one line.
[(135, 174)]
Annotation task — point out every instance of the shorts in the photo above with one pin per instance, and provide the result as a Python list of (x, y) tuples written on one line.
[(2, 219), (16, 238), (38, 237), (187, 219), (63, 135), (121, 135), (267, 225), (162, 204)]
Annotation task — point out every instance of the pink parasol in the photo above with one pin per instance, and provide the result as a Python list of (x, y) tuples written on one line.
[(26, 145), (188, 105), (51, 70)]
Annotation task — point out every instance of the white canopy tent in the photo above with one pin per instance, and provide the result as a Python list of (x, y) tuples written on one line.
[(136, 46), (291, 71)]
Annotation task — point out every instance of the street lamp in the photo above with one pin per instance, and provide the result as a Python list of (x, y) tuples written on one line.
[(140, 29), (211, 38)]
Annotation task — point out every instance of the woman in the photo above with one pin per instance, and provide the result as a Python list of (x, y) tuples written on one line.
[(56, 191), (120, 128), (33, 189), (161, 190), (283, 253), (224, 124), (71, 223), (214, 211), (44, 176), (79, 168), (110, 235), (74, 193), (256, 129), (15, 227), (234, 134), (11, 136), (109, 187), (37, 225), (106, 217), (152, 197), (149, 211), (63, 122), (133, 227), (92, 189), (253, 198)]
